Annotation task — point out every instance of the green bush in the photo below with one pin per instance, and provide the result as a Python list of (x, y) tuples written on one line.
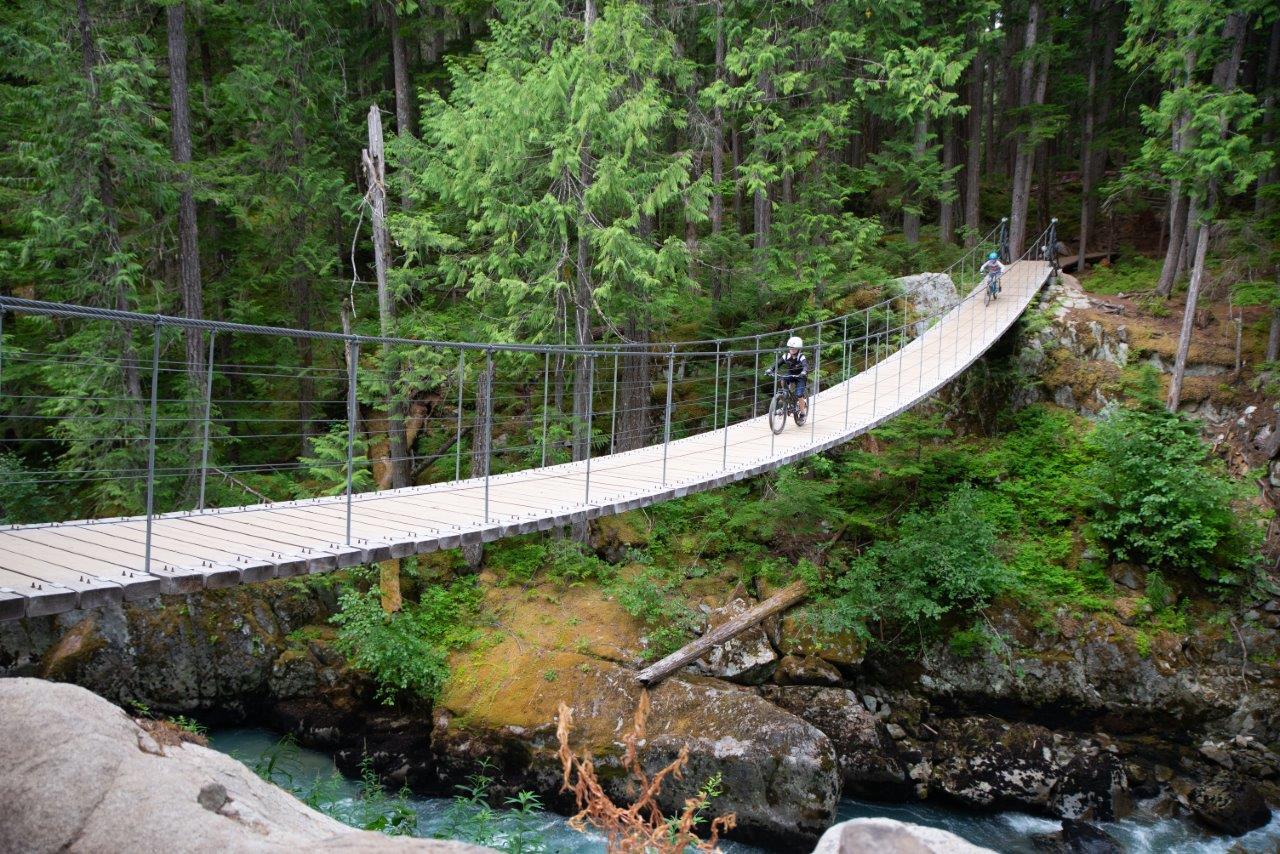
[(1161, 500), (406, 652)]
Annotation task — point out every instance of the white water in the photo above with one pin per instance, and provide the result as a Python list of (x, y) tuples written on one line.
[(1009, 832)]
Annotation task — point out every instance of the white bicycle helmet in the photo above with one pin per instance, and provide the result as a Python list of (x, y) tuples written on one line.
[(795, 341)]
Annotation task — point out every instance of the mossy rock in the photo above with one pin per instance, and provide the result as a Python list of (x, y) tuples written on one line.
[(799, 636)]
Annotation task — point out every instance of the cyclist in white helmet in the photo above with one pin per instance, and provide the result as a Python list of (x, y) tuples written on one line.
[(793, 369)]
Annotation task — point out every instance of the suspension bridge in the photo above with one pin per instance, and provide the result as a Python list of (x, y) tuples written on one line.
[(868, 367)]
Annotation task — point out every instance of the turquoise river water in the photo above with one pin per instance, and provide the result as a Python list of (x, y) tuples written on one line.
[(1010, 832)]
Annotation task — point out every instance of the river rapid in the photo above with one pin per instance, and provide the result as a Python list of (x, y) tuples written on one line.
[(1012, 832)]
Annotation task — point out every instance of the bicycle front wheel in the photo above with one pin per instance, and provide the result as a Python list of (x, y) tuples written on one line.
[(778, 412)]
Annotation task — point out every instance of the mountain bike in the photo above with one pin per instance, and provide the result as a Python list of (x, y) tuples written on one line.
[(784, 403), (992, 288)]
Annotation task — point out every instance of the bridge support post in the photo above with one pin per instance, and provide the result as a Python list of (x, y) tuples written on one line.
[(666, 427), (591, 383), (457, 436), (817, 385), (488, 426), (151, 439), (546, 385), (353, 358), (715, 392), (208, 413), (613, 412), (728, 381)]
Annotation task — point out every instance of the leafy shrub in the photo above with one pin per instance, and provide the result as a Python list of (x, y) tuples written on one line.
[(406, 652), (570, 563), (973, 641), (942, 560), (1159, 499), (469, 817), (653, 597)]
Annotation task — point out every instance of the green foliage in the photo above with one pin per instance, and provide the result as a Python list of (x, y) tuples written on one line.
[(1130, 274), (653, 596), (406, 652), (371, 809), (1159, 499), (975, 641), (189, 724), (470, 818)]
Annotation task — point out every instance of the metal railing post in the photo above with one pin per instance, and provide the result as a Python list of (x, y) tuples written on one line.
[(715, 393), (666, 427), (488, 424), (755, 380), (208, 413), (844, 347), (457, 453), (613, 416), (769, 415), (875, 381), (817, 386), (151, 439), (353, 351), (1, 345), (546, 385), (728, 383), (591, 382)]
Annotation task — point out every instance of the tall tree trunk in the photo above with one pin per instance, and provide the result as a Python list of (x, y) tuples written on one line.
[(1271, 81), (911, 218), (1179, 203), (947, 207), (762, 205), (1024, 154), (1086, 141), (375, 170), (718, 279), (400, 73), (973, 154), (188, 240), (1225, 74), (481, 447), (114, 247)]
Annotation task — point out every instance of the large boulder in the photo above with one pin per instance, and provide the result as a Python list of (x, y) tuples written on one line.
[(1229, 804), (889, 836), (988, 763), (869, 760), (80, 775), (930, 292), (747, 658), (779, 773)]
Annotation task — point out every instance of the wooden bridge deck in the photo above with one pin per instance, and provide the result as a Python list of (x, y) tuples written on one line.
[(46, 569)]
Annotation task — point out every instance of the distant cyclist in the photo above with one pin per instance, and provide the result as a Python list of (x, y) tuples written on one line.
[(993, 270), (793, 369)]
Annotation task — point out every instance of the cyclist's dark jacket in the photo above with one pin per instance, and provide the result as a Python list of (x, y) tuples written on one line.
[(792, 366)]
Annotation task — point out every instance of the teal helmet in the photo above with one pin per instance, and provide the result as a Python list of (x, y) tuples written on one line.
[(993, 256)]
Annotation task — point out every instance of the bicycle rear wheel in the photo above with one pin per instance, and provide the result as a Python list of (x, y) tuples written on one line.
[(778, 412)]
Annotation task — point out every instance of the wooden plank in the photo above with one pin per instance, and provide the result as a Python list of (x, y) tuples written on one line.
[(780, 601), (276, 540), (223, 560), (171, 567), (13, 599), (52, 564), (87, 591)]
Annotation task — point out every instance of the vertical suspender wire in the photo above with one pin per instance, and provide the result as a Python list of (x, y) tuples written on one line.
[(755, 380), (546, 384), (613, 416), (728, 380), (488, 424), (922, 327), (773, 399), (208, 412), (353, 358), (457, 436), (1, 343), (151, 439), (591, 383), (817, 386), (666, 427), (844, 348)]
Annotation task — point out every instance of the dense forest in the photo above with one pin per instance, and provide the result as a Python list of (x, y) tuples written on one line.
[(626, 171)]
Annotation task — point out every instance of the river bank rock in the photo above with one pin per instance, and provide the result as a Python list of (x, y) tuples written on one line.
[(868, 757), (779, 773), (889, 836), (748, 659), (1229, 804), (80, 775), (988, 763)]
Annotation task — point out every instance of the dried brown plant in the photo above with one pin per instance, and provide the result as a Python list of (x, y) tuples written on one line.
[(640, 828)]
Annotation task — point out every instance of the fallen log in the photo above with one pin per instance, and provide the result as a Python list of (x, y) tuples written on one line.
[(780, 601)]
